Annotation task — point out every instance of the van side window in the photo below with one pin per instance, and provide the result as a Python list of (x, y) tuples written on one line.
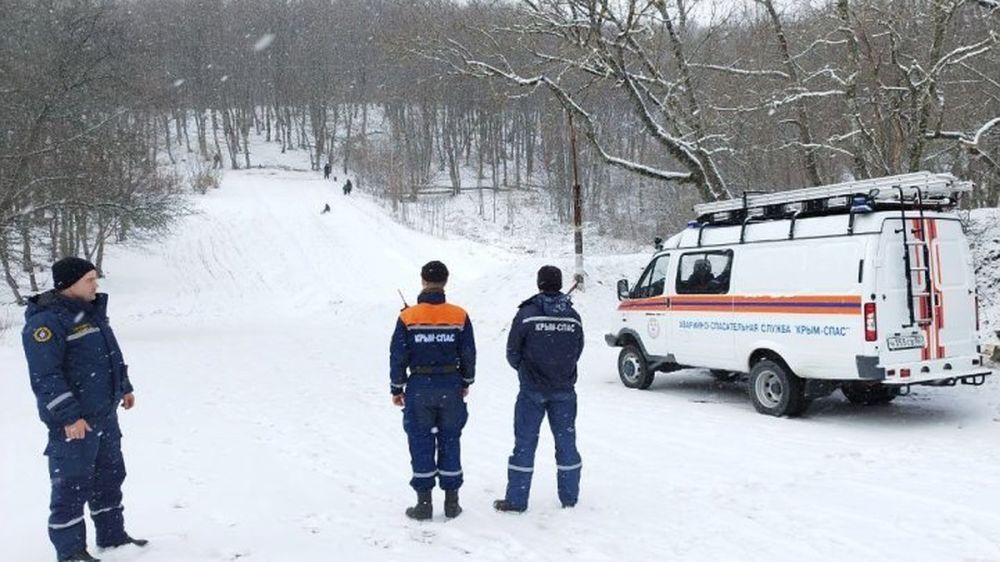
[(704, 273), (654, 279)]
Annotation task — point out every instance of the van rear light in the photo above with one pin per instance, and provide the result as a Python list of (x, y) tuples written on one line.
[(904, 373), (871, 328)]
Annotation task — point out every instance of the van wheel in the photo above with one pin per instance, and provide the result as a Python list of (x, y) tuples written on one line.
[(633, 368), (775, 390), (868, 394)]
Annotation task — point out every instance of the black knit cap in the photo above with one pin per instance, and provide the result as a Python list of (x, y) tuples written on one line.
[(68, 271), (549, 279), (434, 272)]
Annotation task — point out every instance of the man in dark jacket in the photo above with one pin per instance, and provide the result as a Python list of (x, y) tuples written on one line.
[(432, 363), (327, 168), (544, 345), (79, 378)]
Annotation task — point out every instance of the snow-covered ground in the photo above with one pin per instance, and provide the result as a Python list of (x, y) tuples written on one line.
[(257, 337)]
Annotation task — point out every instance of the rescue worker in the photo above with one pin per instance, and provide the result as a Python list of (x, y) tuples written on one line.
[(544, 345), (701, 279), (79, 378), (432, 363)]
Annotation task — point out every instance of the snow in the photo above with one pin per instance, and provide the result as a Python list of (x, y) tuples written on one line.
[(978, 136), (257, 337), (263, 42)]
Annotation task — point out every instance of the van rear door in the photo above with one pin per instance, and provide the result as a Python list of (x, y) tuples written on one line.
[(942, 320), (954, 333)]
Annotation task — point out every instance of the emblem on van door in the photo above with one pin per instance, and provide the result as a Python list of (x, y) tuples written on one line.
[(654, 328)]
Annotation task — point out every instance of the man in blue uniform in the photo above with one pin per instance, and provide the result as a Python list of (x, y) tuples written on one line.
[(432, 363), (544, 345), (79, 378)]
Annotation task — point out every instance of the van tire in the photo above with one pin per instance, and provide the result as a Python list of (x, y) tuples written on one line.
[(867, 394), (775, 390), (633, 369)]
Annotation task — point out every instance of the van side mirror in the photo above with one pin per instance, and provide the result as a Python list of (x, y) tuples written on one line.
[(623, 292)]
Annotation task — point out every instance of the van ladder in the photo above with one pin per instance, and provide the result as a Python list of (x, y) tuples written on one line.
[(923, 271), (940, 190)]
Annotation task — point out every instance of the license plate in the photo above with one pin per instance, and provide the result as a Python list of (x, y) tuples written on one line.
[(896, 343)]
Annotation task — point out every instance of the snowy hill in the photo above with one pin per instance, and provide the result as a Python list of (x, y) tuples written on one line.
[(257, 337)]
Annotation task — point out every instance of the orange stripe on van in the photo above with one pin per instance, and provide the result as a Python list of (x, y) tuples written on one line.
[(842, 299), (651, 304), (426, 314), (808, 304), (803, 310)]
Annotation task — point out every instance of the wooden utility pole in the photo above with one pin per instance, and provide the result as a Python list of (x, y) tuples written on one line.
[(577, 208)]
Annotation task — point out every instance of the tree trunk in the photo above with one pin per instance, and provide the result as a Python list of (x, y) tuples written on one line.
[(199, 124), (182, 120), (26, 259), (245, 124), (166, 130), (229, 134), (215, 134), (8, 275), (349, 117)]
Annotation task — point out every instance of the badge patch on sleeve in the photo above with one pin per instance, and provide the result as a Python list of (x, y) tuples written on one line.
[(42, 334)]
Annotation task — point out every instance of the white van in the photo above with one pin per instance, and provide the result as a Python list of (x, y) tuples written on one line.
[(866, 286)]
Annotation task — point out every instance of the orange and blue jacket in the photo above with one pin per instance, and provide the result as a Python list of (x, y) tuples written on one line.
[(432, 345)]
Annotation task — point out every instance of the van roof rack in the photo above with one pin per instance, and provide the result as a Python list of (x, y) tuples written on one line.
[(925, 189)]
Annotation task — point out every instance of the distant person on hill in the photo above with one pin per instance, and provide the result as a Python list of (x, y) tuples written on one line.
[(79, 379), (216, 161), (326, 171), (348, 187)]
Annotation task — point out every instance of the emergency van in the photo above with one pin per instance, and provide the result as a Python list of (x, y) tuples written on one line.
[(865, 286)]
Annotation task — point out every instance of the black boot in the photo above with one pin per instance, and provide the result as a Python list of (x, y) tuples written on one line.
[(451, 507), (424, 509), (82, 556), (128, 540), (506, 506)]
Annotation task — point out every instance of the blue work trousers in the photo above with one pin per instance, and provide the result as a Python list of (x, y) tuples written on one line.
[(86, 471), (531, 407), (433, 418)]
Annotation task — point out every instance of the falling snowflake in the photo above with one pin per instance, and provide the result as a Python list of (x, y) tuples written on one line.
[(264, 42)]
